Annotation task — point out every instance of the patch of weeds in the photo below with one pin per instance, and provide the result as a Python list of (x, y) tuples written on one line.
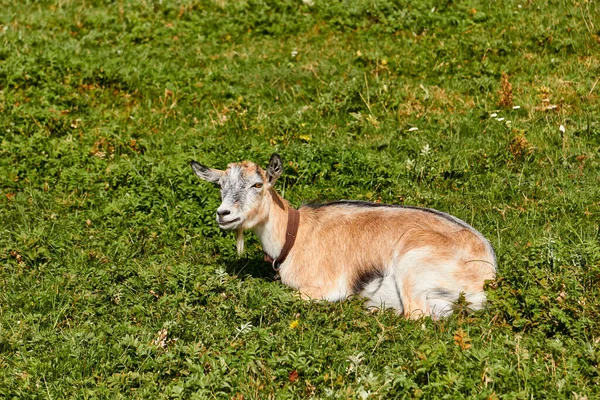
[(115, 279)]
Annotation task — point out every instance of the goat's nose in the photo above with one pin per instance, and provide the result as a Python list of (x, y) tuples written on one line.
[(222, 213)]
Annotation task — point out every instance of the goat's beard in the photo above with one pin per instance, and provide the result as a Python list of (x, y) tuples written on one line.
[(240, 240)]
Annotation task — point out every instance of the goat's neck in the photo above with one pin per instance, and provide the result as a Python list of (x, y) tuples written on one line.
[(272, 231)]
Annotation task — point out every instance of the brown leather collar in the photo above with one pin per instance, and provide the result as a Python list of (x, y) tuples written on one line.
[(290, 238)]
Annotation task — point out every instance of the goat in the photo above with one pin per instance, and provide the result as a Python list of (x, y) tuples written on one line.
[(418, 261)]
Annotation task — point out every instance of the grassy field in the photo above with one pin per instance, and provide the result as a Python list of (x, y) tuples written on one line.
[(115, 280)]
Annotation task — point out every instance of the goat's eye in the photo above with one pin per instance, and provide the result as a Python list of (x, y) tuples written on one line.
[(257, 185)]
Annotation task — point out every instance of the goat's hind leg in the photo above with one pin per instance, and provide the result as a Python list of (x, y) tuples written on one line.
[(415, 279), (416, 307)]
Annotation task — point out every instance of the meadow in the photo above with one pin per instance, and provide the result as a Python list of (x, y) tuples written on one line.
[(116, 282)]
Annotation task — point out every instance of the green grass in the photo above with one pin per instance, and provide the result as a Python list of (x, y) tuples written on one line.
[(107, 238)]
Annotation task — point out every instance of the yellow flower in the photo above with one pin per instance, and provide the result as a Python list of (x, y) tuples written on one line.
[(294, 324)]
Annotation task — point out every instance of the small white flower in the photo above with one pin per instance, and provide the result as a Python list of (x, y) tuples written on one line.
[(562, 129), (493, 115), (516, 107), (499, 119), (243, 329), (363, 394), (356, 359), (294, 53), (221, 274), (414, 128), (356, 115), (433, 9), (161, 338), (425, 150)]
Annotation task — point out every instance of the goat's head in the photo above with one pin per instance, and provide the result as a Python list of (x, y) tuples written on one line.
[(244, 191)]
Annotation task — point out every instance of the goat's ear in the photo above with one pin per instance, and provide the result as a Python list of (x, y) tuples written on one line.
[(205, 173), (274, 169)]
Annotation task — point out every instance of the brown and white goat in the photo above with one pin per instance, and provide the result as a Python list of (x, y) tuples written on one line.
[(415, 260)]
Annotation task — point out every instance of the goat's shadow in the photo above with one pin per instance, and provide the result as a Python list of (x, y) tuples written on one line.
[(250, 265)]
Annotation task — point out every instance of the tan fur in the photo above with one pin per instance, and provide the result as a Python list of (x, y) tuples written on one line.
[(349, 240), (420, 259)]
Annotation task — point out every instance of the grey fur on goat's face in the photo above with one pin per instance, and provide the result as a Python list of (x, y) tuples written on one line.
[(243, 189)]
